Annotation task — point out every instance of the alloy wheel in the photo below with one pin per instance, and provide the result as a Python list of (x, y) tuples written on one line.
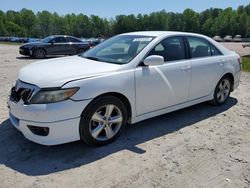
[(39, 54), (106, 122), (223, 90)]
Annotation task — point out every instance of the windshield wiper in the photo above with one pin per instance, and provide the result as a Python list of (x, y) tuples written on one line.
[(92, 58), (102, 60)]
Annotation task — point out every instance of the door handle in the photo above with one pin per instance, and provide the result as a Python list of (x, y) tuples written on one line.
[(186, 68)]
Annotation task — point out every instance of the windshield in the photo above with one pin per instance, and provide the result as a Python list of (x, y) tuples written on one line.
[(120, 49), (47, 39)]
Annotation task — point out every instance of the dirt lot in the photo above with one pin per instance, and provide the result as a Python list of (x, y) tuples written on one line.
[(201, 146), (237, 47)]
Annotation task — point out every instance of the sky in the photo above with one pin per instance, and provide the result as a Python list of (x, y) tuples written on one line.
[(111, 8)]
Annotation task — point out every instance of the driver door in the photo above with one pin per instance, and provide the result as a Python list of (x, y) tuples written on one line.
[(57, 46), (162, 86)]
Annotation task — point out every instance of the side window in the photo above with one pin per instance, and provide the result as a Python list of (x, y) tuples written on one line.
[(215, 51), (172, 49), (70, 39), (199, 47), (59, 40)]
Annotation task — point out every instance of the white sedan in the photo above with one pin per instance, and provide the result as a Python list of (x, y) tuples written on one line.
[(126, 79)]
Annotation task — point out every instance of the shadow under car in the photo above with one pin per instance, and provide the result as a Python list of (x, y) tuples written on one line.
[(29, 158)]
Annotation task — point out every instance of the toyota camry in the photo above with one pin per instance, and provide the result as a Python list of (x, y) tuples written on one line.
[(126, 79)]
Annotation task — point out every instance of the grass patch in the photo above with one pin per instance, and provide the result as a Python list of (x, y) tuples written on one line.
[(246, 63), (11, 43)]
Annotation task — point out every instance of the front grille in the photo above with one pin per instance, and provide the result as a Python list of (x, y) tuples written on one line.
[(20, 91)]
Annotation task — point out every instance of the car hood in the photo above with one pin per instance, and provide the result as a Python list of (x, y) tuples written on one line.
[(32, 44), (56, 72)]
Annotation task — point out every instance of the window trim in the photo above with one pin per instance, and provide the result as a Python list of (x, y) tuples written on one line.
[(69, 37)]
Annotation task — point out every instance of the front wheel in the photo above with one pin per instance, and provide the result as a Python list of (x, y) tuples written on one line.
[(39, 53), (222, 91), (103, 121)]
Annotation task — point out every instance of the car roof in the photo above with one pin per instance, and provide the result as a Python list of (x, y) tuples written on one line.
[(159, 33), (62, 36)]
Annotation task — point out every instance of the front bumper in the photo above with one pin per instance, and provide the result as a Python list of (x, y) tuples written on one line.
[(25, 51), (61, 118)]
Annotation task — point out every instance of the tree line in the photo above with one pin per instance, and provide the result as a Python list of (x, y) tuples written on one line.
[(211, 22)]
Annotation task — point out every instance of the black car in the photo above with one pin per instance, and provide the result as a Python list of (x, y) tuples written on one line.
[(54, 45)]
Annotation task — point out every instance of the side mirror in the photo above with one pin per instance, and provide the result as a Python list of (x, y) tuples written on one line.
[(154, 60), (52, 43)]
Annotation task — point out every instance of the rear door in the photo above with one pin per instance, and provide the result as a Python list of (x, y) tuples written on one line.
[(159, 87), (207, 67), (73, 45)]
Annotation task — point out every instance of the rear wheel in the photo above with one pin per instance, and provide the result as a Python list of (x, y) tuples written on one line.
[(222, 91), (103, 121), (39, 53)]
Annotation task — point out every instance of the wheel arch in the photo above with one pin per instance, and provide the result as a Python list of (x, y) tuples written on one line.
[(121, 97), (231, 77)]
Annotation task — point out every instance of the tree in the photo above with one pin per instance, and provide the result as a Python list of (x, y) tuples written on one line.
[(28, 21), (191, 21), (210, 22), (3, 31), (45, 25)]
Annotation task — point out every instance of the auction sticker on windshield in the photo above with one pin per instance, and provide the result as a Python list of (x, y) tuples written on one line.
[(146, 39)]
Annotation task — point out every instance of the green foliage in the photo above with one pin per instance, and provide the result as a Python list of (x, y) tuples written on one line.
[(246, 64), (210, 22)]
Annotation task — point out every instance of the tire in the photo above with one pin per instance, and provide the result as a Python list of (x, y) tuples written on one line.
[(96, 127), (222, 91), (39, 53), (81, 50)]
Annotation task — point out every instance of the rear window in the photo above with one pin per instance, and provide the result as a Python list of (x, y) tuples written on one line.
[(59, 40), (199, 47), (215, 51), (202, 48), (71, 39)]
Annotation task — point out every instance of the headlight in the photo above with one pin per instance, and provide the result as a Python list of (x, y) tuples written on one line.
[(46, 96)]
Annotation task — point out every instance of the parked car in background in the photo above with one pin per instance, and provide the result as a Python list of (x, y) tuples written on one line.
[(237, 38), (93, 41), (126, 79), (33, 40), (245, 45), (218, 38), (14, 39), (18, 39), (228, 38), (54, 45)]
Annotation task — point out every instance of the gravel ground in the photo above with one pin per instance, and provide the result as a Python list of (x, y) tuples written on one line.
[(237, 47), (200, 146)]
